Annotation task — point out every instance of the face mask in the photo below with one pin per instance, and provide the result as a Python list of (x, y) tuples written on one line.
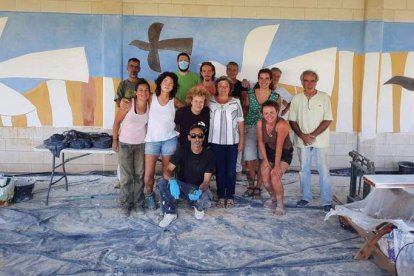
[(183, 65)]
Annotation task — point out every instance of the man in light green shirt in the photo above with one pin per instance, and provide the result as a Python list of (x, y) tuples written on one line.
[(310, 116), (186, 79)]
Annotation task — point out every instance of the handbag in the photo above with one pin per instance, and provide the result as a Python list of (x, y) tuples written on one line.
[(6, 190)]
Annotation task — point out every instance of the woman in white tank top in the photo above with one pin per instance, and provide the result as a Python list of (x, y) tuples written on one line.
[(161, 138)]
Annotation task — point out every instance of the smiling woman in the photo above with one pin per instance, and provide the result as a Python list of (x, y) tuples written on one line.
[(195, 113), (226, 138)]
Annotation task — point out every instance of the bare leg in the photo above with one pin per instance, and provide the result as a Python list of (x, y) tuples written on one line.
[(265, 172), (251, 172), (278, 187), (259, 176), (251, 175), (150, 161), (165, 161)]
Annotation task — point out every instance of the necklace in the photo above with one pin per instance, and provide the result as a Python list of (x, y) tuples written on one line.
[(269, 131)]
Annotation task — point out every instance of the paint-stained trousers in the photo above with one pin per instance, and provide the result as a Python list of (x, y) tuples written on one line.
[(168, 201), (131, 162)]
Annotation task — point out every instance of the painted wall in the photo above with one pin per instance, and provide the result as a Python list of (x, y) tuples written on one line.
[(59, 71)]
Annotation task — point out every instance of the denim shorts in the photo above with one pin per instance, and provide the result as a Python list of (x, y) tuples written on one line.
[(251, 150), (163, 148)]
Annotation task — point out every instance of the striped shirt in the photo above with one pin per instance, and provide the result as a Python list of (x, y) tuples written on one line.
[(224, 119)]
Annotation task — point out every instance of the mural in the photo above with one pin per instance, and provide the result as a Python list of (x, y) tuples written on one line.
[(63, 70), (154, 44)]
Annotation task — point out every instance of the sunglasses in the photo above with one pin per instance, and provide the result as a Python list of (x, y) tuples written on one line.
[(194, 135)]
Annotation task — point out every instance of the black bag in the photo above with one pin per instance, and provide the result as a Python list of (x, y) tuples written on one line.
[(80, 143), (56, 143), (103, 142)]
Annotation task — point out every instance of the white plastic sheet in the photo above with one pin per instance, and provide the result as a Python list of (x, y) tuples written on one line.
[(381, 205)]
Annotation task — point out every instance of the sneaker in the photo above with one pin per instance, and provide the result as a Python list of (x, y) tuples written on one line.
[(198, 214), (327, 208), (302, 203), (150, 201), (168, 218)]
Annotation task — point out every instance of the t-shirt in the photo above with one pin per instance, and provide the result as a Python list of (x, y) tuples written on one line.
[(308, 114), (126, 89), (237, 89), (185, 82), (184, 119), (191, 167), (286, 96)]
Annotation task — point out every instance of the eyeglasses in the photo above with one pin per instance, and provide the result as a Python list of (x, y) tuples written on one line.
[(194, 135)]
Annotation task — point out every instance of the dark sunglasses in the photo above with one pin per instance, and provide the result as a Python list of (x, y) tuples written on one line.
[(193, 136)]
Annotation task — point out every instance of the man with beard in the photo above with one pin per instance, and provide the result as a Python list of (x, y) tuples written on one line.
[(126, 88), (195, 166), (186, 79), (207, 76)]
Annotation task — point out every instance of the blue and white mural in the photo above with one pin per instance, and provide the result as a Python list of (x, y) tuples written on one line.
[(63, 69)]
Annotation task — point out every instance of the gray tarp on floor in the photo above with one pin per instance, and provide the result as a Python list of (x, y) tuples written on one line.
[(81, 232)]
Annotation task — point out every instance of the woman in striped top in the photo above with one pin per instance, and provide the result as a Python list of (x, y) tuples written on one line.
[(227, 139)]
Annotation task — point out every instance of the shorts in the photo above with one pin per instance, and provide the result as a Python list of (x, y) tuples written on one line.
[(287, 155), (251, 149), (163, 148)]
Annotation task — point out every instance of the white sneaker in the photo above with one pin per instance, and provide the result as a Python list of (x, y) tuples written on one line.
[(168, 218), (198, 214)]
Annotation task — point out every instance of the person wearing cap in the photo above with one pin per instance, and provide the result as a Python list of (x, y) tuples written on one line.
[(195, 166)]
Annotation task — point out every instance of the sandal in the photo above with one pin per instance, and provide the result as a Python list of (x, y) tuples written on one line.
[(230, 203), (280, 211), (249, 192), (257, 193), (221, 203)]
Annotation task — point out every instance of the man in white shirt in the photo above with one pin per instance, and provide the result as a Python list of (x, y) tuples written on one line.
[(310, 116)]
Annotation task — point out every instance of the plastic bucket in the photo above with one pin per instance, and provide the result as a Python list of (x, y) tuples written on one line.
[(406, 167), (23, 189)]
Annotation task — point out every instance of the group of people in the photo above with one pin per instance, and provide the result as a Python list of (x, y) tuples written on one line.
[(200, 126)]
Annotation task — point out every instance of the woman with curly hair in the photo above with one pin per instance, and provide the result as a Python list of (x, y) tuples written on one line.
[(197, 112)]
